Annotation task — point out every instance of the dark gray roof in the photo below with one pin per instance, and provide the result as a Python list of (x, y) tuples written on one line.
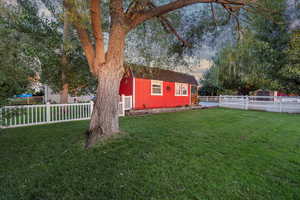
[(154, 73)]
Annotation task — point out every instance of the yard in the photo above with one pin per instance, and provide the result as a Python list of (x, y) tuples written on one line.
[(203, 154)]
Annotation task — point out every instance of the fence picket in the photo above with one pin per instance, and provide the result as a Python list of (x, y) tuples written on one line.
[(26, 115), (267, 103)]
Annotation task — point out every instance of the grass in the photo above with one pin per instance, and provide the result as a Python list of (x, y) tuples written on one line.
[(204, 154)]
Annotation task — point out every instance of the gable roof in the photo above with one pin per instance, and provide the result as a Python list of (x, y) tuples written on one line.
[(155, 73)]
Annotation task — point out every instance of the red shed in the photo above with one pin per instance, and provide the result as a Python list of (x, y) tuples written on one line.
[(151, 87)]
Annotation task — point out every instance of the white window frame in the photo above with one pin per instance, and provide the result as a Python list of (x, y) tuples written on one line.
[(180, 86), (177, 88), (156, 82), (186, 86)]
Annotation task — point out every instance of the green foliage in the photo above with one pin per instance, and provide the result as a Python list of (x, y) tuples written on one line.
[(46, 40), (16, 65), (204, 154), (199, 24), (210, 85), (291, 71), (241, 66), (272, 30), (151, 41), (255, 61)]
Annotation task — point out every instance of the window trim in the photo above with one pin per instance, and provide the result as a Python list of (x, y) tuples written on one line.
[(157, 82), (180, 85), (176, 86), (187, 89)]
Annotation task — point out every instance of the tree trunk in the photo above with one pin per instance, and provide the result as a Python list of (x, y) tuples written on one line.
[(105, 116), (64, 93)]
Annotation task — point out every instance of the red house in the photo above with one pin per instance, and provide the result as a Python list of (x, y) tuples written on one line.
[(157, 88)]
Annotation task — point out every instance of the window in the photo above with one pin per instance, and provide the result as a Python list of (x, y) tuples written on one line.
[(184, 89), (181, 89), (156, 88), (177, 89)]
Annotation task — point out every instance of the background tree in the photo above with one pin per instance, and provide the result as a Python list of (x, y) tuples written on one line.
[(16, 66), (54, 45), (240, 66), (210, 84), (273, 31), (291, 71), (255, 60)]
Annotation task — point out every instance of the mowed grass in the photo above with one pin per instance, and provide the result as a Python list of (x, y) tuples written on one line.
[(203, 154)]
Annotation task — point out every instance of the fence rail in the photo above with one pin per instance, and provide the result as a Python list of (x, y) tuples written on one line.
[(27, 100), (208, 99), (27, 115), (265, 103)]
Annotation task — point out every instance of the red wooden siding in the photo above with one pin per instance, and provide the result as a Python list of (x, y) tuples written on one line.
[(126, 86), (144, 99)]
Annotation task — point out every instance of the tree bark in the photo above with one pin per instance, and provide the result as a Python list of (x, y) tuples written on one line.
[(64, 93), (64, 61), (105, 116)]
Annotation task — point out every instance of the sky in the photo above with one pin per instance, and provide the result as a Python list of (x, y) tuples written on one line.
[(294, 14)]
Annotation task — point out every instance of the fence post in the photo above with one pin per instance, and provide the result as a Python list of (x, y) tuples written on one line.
[(280, 104), (92, 107), (123, 98), (1, 118), (48, 114), (247, 103), (123, 104)]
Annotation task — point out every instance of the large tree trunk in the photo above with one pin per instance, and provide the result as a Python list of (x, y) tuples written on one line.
[(105, 116)]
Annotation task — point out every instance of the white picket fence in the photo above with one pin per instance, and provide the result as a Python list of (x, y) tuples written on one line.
[(27, 115), (127, 102), (265, 103)]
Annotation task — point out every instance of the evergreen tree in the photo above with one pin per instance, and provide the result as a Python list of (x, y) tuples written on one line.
[(291, 71), (272, 29)]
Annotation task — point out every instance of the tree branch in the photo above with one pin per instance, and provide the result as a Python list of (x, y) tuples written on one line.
[(116, 10), (87, 46), (82, 33), (117, 33), (144, 15), (165, 22), (96, 19), (213, 14), (168, 26)]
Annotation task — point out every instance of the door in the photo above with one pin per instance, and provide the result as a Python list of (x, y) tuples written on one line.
[(194, 95)]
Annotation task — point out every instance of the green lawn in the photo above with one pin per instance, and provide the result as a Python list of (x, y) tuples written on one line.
[(203, 154)]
